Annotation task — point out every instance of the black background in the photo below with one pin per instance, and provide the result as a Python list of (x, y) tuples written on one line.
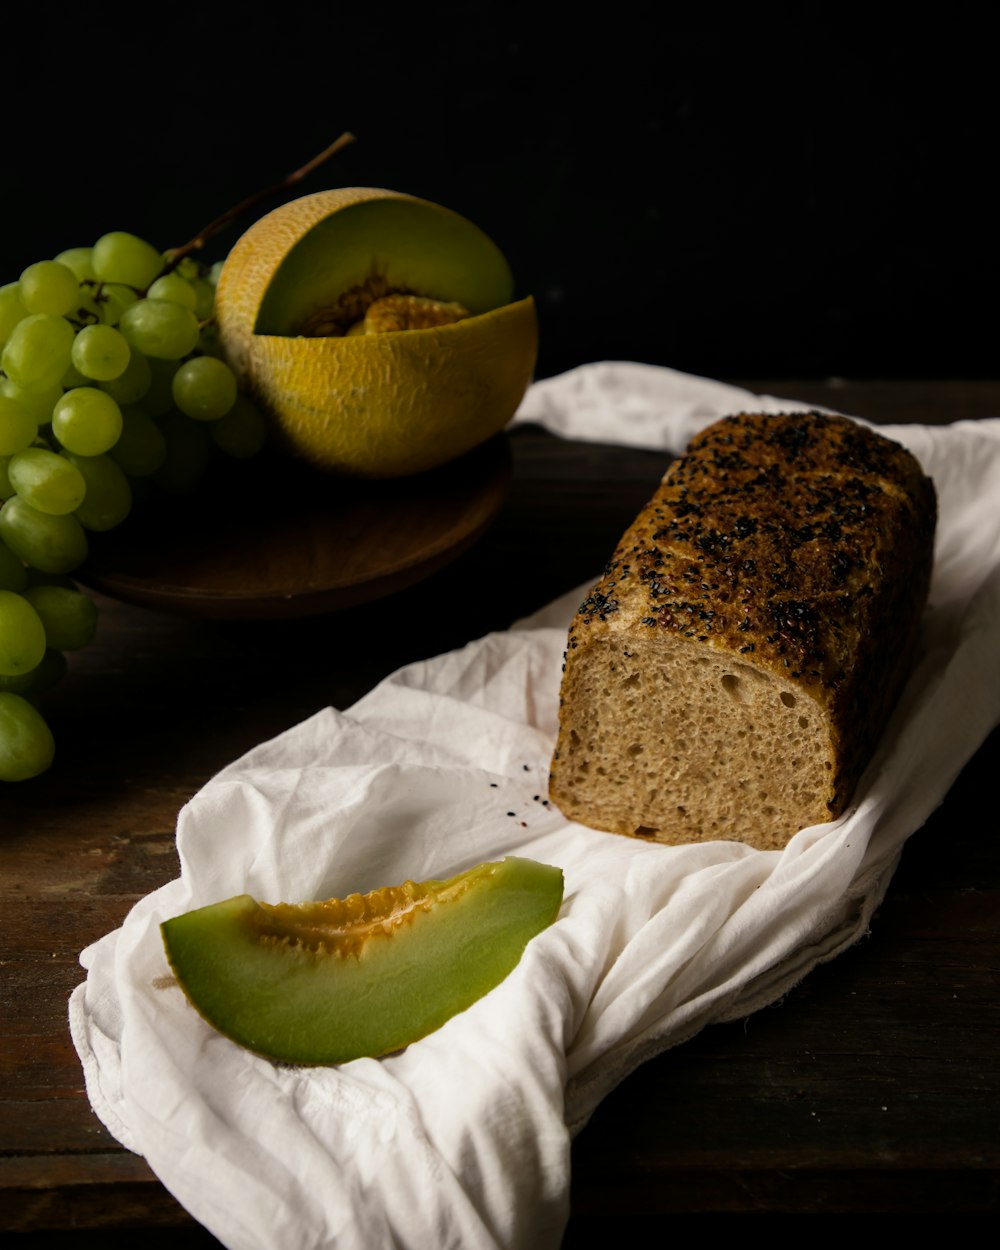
[(810, 200)]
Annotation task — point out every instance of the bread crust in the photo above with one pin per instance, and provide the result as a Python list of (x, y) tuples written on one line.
[(794, 552)]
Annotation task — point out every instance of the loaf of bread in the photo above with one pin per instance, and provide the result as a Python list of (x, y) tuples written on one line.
[(731, 673)]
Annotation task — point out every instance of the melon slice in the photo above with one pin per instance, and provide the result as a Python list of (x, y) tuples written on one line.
[(327, 982)]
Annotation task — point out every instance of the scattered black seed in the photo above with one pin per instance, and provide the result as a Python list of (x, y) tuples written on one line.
[(598, 604)]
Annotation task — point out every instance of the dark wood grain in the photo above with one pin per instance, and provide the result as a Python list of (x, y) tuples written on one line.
[(874, 1087)]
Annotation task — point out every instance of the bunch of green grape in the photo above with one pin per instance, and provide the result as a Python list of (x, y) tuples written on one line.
[(111, 386)]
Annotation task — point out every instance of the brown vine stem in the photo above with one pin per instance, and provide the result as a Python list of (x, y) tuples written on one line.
[(177, 254)]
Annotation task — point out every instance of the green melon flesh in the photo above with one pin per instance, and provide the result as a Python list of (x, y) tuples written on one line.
[(412, 245), (327, 982)]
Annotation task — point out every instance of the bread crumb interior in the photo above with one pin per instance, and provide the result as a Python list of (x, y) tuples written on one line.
[(681, 744)]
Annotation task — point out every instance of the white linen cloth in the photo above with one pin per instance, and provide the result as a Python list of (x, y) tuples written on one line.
[(463, 1139)]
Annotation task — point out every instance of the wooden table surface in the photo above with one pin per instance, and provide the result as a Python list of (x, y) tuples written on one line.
[(874, 1087)]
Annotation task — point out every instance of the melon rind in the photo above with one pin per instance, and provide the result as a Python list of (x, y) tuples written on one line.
[(378, 405), (423, 418)]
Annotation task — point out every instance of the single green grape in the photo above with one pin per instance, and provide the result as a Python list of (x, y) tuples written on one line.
[(13, 574), (204, 293), (208, 341), (6, 489), (100, 353), (242, 432), (113, 299), (158, 328), (80, 260), (18, 427), (188, 268), (172, 287), (132, 385), (22, 634), (27, 747), (49, 287), (122, 257), (47, 481), (69, 617), (38, 403), (204, 388), (53, 544), (109, 496), (141, 447), (12, 310), (87, 420), (38, 351)]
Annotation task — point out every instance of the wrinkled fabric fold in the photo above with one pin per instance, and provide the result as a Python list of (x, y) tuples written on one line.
[(463, 1139)]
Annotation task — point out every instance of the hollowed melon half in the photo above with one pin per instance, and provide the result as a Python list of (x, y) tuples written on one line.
[(327, 982), (386, 404)]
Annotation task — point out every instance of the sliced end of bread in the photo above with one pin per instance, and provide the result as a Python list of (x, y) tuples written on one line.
[(684, 744)]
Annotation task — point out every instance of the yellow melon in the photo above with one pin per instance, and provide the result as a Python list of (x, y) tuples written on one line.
[(297, 303)]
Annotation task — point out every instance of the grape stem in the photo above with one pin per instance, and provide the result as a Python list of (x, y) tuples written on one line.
[(175, 255)]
